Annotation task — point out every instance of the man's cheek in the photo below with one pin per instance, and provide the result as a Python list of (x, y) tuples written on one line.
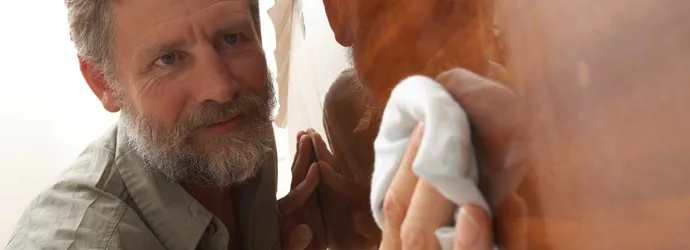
[(250, 68)]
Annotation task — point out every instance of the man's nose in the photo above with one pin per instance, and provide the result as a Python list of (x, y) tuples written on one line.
[(213, 80)]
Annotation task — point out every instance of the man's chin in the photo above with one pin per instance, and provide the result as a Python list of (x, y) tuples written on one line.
[(220, 171), (207, 159), (224, 161)]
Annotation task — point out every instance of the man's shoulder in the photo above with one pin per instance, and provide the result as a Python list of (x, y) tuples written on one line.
[(84, 209)]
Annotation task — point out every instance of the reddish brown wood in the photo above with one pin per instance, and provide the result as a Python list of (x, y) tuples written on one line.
[(606, 89), (391, 40)]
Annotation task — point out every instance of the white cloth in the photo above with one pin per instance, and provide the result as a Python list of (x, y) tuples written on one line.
[(445, 157), (281, 16)]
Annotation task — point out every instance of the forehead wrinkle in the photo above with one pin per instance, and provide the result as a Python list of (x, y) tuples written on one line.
[(221, 16), (188, 13), (149, 44)]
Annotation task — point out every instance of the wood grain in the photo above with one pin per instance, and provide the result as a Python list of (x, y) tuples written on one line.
[(606, 89)]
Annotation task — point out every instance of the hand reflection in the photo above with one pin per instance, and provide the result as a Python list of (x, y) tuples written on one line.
[(345, 204), (302, 225)]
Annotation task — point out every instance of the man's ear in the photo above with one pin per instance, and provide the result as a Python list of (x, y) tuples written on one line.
[(99, 85), (341, 20)]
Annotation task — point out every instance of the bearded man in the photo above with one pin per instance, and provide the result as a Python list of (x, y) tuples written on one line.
[(191, 163)]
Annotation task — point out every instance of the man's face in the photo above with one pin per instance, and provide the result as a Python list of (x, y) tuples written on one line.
[(394, 39), (194, 88)]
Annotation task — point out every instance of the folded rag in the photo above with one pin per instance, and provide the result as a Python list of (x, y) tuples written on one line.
[(445, 157)]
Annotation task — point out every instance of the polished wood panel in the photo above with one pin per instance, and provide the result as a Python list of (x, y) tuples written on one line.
[(606, 90), (390, 40)]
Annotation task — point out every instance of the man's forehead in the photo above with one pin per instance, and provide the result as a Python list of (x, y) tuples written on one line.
[(144, 27), (147, 12)]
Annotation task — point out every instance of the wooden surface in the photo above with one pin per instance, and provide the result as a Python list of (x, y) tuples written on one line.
[(393, 39), (353, 151), (396, 39), (606, 89)]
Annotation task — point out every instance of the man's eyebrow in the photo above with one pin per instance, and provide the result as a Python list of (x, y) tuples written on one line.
[(160, 48), (243, 23)]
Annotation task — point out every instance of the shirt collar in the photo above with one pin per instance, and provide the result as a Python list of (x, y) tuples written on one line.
[(179, 221)]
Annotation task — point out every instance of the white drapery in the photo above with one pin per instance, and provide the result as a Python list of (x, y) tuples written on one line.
[(308, 60)]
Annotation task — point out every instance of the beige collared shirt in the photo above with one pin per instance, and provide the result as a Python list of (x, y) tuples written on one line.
[(107, 200)]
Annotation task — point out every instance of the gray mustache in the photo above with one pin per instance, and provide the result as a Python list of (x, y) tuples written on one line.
[(212, 112)]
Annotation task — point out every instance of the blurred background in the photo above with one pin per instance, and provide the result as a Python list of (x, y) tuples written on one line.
[(48, 114)]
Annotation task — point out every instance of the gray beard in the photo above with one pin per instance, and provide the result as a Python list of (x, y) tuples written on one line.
[(221, 161)]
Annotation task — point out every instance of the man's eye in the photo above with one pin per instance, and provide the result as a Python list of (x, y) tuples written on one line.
[(231, 38), (167, 59)]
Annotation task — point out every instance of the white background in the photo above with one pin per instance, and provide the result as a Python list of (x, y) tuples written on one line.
[(47, 112)]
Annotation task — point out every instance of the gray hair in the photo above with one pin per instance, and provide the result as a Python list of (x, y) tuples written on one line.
[(92, 28)]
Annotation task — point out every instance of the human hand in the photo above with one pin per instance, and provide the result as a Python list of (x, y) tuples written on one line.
[(414, 210), (344, 204), (494, 112), (498, 127), (302, 222)]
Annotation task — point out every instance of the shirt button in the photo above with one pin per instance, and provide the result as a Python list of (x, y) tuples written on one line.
[(211, 229)]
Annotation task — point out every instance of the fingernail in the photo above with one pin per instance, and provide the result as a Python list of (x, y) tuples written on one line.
[(303, 232), (468, 228)]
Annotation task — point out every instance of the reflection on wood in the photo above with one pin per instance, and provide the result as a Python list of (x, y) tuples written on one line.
[(351, 134), (399, 39), (391, 40)]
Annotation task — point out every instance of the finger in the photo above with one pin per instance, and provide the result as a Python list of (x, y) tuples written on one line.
[(340, 183), (320, 147), (397, 199), (297, 146), (472, 90), (513, 210), (480, 97), (299, 195), (472, 229), (299, 238), (299, 135), (428, 211), (303, 160), (492, 108)]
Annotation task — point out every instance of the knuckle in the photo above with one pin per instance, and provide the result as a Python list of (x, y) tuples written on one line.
[(414, 237), (445, 79), (394, 210), (450, 76)]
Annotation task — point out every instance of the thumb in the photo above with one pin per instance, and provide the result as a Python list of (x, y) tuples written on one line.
[(472, 229), (470, 89), (299, 238), (485, 102), (494, 110)]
